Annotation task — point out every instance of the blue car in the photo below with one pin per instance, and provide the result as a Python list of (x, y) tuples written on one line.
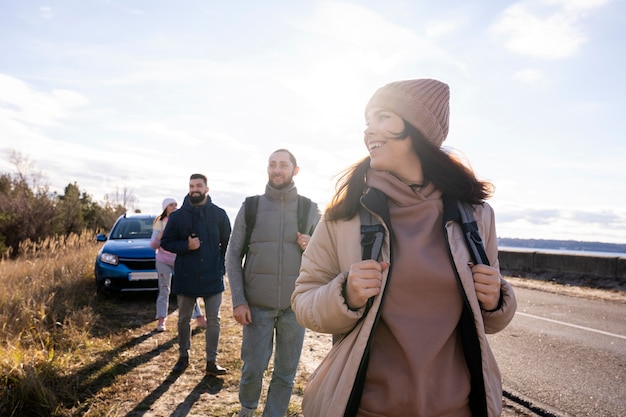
[(126, 261)]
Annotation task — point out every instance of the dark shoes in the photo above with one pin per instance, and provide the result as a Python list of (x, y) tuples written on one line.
[(181, 365), (214, 369)]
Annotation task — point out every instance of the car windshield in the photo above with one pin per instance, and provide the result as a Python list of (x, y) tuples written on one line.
[(132, 228)]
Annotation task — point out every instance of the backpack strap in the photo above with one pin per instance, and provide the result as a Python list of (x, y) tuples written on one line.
[(250, 206), (304, 206), (463, 213), (472, 236), (372, 235)]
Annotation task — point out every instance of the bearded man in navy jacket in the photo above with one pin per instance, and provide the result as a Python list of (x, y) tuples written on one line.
[(198, 234)]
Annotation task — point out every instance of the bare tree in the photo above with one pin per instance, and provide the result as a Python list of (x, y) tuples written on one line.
[(124, 198), (25, 169)]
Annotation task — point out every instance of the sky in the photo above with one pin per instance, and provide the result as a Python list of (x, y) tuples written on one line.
[(137, 95)]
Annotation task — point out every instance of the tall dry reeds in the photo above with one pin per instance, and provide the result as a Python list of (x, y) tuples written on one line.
[(46, 298)]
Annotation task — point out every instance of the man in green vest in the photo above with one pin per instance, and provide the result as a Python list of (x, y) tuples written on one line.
[(262, 263)]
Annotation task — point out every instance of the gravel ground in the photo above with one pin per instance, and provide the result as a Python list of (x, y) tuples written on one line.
[(146, 388)]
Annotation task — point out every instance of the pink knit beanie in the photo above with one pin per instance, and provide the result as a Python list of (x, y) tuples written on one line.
[(424, 103), (167, 202)]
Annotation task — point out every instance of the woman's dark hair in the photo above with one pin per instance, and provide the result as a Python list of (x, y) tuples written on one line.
[(350, 187), (161, 216), (446, 171)]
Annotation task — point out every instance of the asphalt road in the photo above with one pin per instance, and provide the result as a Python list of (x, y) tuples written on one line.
[(565, 354)]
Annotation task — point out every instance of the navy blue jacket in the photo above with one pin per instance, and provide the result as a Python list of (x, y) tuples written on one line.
[(198, 273)]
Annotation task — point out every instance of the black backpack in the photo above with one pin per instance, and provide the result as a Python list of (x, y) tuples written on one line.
[(251, 206)]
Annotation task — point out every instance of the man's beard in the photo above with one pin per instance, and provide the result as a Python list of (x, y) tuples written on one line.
[(196, 199), (282, 185)]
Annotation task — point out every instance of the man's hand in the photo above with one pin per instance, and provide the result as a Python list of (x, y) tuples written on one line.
[(242, 314), (303, 241), (364, 281), (193, 242), (487, 285)]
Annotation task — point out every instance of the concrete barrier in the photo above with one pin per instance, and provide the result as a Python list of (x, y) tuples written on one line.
[(529, 260), (621, 268)]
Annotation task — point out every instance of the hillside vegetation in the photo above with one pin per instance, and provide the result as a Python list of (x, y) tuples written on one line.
[(29, 212)]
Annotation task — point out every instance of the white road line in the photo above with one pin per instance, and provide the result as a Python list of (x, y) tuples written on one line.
[(572, 325)]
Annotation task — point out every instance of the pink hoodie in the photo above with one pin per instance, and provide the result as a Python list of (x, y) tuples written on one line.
[(162, 255)]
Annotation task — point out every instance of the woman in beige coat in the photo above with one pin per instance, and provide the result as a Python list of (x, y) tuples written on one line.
[(411, 325)]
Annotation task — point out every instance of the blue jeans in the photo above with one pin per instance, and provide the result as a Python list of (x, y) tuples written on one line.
[(165, 272), (256, 350), (212, 313)]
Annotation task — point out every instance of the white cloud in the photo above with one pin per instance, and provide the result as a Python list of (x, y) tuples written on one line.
[(376, 44), (548, 29), (124, 7), (578, 6), (46, 12), (523, 221), (440, 28), (529, 76), (18, 101), (174, 72)]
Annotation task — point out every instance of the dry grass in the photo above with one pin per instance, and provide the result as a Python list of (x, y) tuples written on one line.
[(45, 312), (65, 351)]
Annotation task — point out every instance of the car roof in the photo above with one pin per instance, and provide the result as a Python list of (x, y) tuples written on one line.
[(130, 215)]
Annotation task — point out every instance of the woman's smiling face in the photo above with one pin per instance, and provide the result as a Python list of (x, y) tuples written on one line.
[(382, 137)]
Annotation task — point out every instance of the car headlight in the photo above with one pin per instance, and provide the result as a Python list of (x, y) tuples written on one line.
[(109, 258)]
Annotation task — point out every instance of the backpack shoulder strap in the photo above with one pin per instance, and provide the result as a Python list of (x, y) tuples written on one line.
[(372, 235), (304, 206), (250, 206), (472, 236)]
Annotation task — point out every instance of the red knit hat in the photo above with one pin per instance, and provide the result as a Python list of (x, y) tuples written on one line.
[(424, 103)]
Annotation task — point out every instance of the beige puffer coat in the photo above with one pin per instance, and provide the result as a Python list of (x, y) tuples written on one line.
[(320, 306)]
